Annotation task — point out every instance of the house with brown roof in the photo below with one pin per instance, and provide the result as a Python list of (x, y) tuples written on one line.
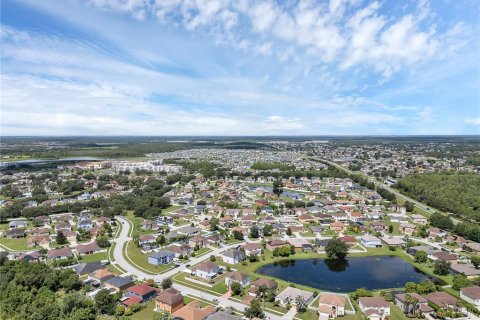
[(57, 254), (444, 256), (194, 311), (331, 305), (337, 226), (252, 248), (169, 300), (142, 291), (15, 233), (374, 308), (275, 243), (101, 275), (471, 295), (180, 250), (236, 276), (306, 218), (262, 282), (442, 299), (35, 241), (401, 301), (90, 248), (407, 228)]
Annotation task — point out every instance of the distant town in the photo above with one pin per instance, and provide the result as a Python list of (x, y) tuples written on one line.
[(277, 229)]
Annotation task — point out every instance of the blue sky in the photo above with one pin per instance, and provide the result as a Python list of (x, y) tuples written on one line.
[(240, 67)]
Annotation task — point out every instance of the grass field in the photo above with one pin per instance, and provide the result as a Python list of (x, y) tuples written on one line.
[(14, 244), (94, 257), (136, 257)]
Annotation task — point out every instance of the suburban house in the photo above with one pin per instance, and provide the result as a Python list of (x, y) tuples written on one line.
[(262, 282), (233, 256), (331, 305), (236, 276), (206, 270), (252, 248), (180, 250), (147, 241), (161, 257), (444, 256), (337, 226), (169, 300), (142, 291), (289, 294), (442, 299), (471, 295), (57, 254), (63, 226), (421, 305), (38, 241), (407, 228), (200, 241), (194, 311), (370, 241), (17, 224), (89, 248), (275, 243), (374, 308), (149, 225), (223, 315), (417, 218), (15, 233), (88, 267), (119, 283), (85, 224), (101, 275), (393, 242)]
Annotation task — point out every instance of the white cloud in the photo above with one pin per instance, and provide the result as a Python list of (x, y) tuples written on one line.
[(360, 36), (473, 121)]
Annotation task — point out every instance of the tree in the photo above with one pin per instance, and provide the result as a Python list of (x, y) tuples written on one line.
[(420, 257), (410, 206), (237, 235), (336, 250), (254, 232), (289, 232), (460, 281), (103, 242), (361, 292), (441, 267), (267, 230), (410, 287), (161, 240), (214, 222), (212, 258), (254, 310), (476, 261), (105, 302), (166, 283), (262, 292), (411, 301), (441, 221), (301, 304), (390, 228), (3, 257), (60, 239), (236, 288)]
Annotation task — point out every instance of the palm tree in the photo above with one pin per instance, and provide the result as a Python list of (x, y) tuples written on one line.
[(262, 292), (411, 301)]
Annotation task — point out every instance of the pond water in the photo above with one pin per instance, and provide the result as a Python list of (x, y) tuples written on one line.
[(377, 272)]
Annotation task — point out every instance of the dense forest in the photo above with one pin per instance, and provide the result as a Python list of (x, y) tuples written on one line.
[(456, 193)]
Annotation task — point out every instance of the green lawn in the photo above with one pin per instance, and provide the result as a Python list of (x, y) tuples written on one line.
[(146, 313), (14, 244), (136, 257), (94, 257), (202, 251), (396, 313)]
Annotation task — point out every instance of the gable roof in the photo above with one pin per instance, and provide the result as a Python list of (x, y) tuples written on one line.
[(141, 289)]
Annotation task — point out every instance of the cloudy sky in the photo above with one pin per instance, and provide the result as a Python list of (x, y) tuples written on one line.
[(240, 67)]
